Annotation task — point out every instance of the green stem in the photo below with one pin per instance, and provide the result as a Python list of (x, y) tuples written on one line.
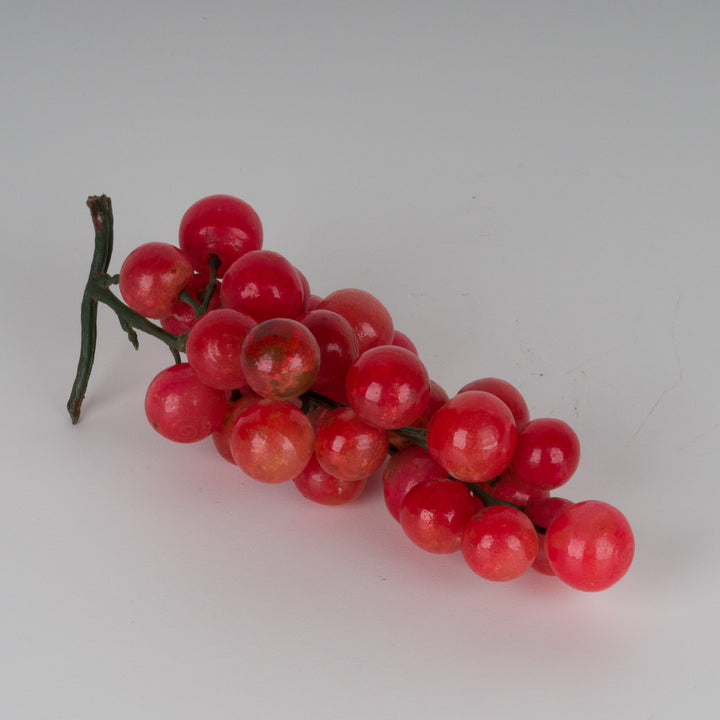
[(479, 491), (416, 435), (101, 213), (311, 400), (186, 297), (129, 318), (97, 289), (206, 297)]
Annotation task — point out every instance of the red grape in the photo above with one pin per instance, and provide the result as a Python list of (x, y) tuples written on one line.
[(264, 285), (320, 486), (369, 318), (280, 358), (272, 441), (219, 225), (213, 347), (388, 386), (499, 543), (182, 408), (152, 277), (590, 545), (434, 514), (400, 339), (472, 436), (508, 393), (547, 453), (349, 448), (338, 351)]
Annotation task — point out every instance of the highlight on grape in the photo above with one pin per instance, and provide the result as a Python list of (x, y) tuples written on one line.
[(317, 391)]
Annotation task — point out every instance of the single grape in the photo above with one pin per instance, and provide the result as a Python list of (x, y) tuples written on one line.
[(404, 470), (280, 358), (320, 486), (547, 453), (181, 407), (472, 436), (349, 448), (400, 339), (499, 543), (508, 393), (590, 545), (264, 285), (369, 318), (272, 441), (388, 386), (434, 514), (338, 351), (220, 225), (152, 277), (213, 347)]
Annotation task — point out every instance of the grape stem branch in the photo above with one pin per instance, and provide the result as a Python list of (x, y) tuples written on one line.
[(97, 290)]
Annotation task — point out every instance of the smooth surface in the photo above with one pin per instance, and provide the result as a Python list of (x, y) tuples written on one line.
[(531, 189)]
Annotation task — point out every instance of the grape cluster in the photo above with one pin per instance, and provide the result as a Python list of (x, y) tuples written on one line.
[(318, 390)]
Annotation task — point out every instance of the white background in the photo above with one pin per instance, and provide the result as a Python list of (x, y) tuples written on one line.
[(532, 190)]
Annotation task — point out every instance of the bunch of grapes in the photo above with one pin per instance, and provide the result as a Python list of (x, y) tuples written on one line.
[(293, 387)]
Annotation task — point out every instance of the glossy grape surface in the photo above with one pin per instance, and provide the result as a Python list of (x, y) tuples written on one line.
[(369, 318), (181, 407), (547, 453), (348, 447), (280, 358), (400, 339), (213, 347), (434, 514), (152, 277), (590, 545), (388, 386), (499, 543), (320, 486), (508, 393), (264, 285), (472, 436), (272, 441), (338, 351), (220, 225)]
